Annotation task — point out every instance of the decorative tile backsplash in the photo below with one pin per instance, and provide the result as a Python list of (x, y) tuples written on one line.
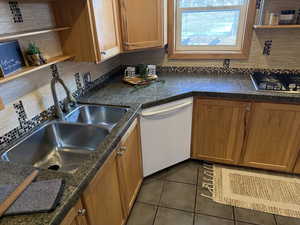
[(22, 117), (226, 63), (267, 47), (15, 11), (26, 125), (222, 70)]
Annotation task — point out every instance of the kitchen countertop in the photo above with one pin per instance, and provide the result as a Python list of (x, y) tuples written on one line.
[(180, 85), (114, 92)]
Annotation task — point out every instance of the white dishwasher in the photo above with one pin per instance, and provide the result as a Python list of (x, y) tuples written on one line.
[(166, 134)]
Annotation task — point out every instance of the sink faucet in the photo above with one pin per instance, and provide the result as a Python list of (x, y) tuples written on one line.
[(71, 101)]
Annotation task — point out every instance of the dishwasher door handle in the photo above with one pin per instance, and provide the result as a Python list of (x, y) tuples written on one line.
[(167, 110)]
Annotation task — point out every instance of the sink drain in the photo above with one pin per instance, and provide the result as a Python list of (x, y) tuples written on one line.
[(54, 167)]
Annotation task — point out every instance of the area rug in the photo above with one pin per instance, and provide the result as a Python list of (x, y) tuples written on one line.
[(253, 189)]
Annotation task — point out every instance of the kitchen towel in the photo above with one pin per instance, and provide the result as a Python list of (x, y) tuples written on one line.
[(41, 196)]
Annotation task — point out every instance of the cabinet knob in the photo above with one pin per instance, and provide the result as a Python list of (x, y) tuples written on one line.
[(123, 148), (120, 153), (81, 212)]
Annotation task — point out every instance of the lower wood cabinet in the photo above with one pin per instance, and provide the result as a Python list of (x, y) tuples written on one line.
[(130, 168), (297, 166), (110, 196), (260, 135), (219, 128), (76, 216), (102, 198), (273, 141)]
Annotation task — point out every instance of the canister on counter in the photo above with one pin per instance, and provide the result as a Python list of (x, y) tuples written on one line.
[(287, 17)]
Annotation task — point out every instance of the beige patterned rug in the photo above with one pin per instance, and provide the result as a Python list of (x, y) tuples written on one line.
[(257, 190)]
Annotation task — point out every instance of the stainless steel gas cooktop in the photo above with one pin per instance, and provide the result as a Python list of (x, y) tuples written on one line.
[(276, 82)]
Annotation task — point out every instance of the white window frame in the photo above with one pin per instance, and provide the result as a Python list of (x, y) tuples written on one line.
[(240, 33), (240, 51)]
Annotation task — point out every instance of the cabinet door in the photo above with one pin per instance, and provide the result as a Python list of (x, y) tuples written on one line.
[(130, 166), (102, 197), (274, 136), (76, 216), (297, 166), (106, 23), (219, 128), (142, 23)]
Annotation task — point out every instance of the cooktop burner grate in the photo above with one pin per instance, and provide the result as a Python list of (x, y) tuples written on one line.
[(276, 82)]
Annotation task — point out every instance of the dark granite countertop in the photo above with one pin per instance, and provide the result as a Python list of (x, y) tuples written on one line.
[(180, 85), (115, 92)]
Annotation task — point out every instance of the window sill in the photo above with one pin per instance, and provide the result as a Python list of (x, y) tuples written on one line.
[(209, 55)]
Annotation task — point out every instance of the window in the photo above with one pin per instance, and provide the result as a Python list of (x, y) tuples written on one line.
[(210, 28)]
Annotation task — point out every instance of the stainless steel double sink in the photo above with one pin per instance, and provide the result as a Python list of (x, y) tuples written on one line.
[(64, 145)]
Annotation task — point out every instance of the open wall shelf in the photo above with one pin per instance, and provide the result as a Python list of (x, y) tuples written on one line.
[(29, 69), (277, 26), (10, 36)]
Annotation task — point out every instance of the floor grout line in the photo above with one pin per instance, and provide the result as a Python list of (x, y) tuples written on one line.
[(155, 215), (195, 204), (179, 182), (275, 219), (182, 210), (234, 218), (162, 190), (219, 217)]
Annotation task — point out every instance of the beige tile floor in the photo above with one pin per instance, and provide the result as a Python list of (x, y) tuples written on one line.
[(172, 197)]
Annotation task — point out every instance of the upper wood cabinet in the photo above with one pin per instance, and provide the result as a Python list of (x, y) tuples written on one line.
[(76, 215), (130, 166), (80, 39), (106, 27), (273, 141), (219, 128), (94, 35), (102, 198), (142, 23)]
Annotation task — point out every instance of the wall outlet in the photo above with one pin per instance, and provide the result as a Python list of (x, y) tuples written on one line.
[(1, 104)]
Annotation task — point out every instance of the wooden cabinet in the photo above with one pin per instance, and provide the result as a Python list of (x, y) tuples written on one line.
[(76, 216), (219, 128), (102, 198), (80, 39), (142, 23), (106, 27), (94, 28), (130, 166), (297, 166), (273, 141), (110, 196)]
